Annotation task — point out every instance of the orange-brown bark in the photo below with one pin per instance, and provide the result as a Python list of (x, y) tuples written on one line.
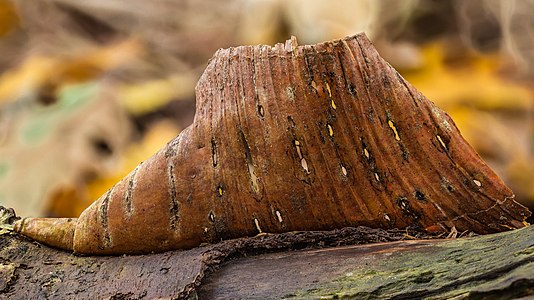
[(301, 138)]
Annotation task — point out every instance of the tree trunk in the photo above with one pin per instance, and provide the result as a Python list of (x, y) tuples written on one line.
[(498, 265)]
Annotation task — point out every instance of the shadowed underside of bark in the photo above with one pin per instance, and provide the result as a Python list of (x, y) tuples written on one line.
[(495, 266)]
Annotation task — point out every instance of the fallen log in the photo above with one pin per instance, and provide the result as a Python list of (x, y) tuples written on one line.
[(490, 266), (498, 266), (30, 270)]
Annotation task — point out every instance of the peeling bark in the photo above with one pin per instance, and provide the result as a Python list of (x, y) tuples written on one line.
[(291, 138)]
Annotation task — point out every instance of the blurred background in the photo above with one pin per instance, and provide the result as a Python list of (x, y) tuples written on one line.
[(88, 89)]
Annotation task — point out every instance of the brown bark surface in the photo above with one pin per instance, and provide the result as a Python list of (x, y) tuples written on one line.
[(499, 266), (292, 138), (483, 267), (29, 270)]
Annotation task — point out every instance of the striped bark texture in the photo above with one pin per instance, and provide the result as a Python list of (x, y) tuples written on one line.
[(292, 138)]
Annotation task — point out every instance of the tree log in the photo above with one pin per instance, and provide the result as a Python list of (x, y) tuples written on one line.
[(499, 265)]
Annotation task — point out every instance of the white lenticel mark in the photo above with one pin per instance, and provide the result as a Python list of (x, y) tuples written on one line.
[(257, 225), (299, 152), (279, 216), (366, 153), (304, 164), (441, 142), (477, 183)]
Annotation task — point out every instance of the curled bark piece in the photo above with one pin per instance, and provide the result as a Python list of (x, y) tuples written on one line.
[(300, 138)]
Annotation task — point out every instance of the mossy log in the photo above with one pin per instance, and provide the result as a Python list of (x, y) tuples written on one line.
[(491, 266), (498, 266)]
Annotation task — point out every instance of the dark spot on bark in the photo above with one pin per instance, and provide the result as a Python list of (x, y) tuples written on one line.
[(103, 216), (420, 196), (291, 122), (352, 90), (214, 157), (129, 192), (320, 126), (174, 205), (406, 208), (405, 152)]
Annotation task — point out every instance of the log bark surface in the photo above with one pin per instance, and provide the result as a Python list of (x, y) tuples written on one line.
[(29, 270), (499, 265)]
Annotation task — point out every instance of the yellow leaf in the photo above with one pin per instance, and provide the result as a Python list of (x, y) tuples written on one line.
[(141, 98), (476, 84), (8, 18), (39, 71)]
